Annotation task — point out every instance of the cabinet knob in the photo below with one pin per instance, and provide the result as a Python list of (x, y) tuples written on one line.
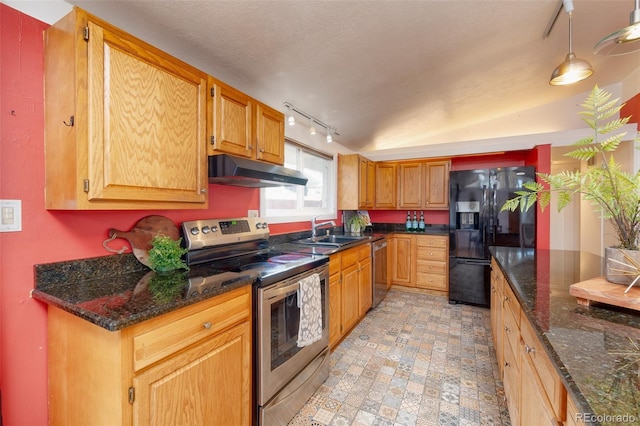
[(529, 349), (506, 364), (207, 325), (506, 329), (203, 190)]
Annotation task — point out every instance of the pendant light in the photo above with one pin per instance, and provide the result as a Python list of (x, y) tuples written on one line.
[(573, 69), (312, 128), (626, 40)]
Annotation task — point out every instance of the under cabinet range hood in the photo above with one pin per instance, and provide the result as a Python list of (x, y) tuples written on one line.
[(229, 170)]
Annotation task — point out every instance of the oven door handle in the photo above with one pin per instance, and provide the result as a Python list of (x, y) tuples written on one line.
[(280, 291)]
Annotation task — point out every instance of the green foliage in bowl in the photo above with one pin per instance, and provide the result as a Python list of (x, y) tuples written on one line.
[(166, 254)]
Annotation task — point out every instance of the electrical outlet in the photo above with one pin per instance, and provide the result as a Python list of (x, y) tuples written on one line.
[(253, 213), (10, 215)]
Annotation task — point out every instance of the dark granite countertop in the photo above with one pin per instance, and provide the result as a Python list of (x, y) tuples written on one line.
[(595, 349), (117, 291)]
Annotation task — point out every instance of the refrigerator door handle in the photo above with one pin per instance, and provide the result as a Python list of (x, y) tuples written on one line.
[(484, 214), (494, 214)]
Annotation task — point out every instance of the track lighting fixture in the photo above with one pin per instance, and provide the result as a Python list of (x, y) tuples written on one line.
[(573, 69), (291, 120), (626, 40), (313, 122)]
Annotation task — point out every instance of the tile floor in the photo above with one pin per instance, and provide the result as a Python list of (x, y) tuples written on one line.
[(413, 360)]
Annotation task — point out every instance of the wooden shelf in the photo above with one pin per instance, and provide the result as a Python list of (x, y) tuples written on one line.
[(600, 290)]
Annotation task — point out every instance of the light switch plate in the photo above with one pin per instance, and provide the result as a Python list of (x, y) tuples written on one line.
[(10, 215)]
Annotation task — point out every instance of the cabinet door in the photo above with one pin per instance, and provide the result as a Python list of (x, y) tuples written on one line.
[(365, 295), (146, 128), (269, 137), (402, 259), (231, 119), (533, 399), (410, 184), (371, 184), (208, 384), (366, 184), (350, 292), (335, 309), (386, 185), (436, 185)]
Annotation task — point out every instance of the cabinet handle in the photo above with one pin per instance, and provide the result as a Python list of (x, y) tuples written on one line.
[(506, 329), (207, 325), (203, 190), (529, 349), (506, 364), (506, 298)]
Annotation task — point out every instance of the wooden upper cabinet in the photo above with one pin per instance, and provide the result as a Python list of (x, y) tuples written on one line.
[(241, 126), (356, 182), (411, 183), (269, 134), (386, 185), (230, 120), (125, 123), (436, 185)]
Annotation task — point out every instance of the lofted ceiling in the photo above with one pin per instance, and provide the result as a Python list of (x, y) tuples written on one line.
[(387, 74)]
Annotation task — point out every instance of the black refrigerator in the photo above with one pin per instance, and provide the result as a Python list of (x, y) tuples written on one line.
[(476, 223)]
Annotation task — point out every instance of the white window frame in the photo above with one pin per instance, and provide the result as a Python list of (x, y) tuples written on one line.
[(300, 214)]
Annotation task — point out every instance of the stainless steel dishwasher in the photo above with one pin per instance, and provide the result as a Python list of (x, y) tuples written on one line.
[(380, 279)]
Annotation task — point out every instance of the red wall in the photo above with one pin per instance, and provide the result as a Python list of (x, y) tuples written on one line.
[(632, 108), (51, 236)]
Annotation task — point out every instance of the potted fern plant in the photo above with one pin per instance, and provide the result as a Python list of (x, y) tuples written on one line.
[(615, 192)]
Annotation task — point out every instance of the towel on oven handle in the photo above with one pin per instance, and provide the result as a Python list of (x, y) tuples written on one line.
[(310, 304)]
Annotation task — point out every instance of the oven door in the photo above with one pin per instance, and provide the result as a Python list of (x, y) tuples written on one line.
[(279, 357)]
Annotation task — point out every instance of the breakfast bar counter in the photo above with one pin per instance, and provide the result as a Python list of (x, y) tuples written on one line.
[(596, 349)]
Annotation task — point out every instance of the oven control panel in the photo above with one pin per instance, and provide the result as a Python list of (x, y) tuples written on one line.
[(198, 234)]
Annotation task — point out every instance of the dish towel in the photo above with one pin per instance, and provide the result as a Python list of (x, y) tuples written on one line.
[(310, 304)]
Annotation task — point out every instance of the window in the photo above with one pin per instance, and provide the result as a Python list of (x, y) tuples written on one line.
[(294, 202)]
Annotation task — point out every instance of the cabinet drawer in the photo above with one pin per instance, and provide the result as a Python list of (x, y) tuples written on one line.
[(511, 303), (432, 253), (364, 252), (350, 257), (432, 241), (549, 378), (435, 282), (511, 329), (160, 337), (335, 264), (432, 267)]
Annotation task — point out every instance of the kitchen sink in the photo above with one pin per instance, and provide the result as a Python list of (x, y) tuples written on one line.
[(331, 240)]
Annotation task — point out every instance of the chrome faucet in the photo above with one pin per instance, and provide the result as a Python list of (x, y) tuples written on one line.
[(315, 225)]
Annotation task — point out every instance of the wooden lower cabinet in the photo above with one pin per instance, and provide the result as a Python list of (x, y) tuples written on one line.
[(191, 366), (533, 388), (420, 261), (572, 414), (432, 262), (350, 290), (365, 280), (335, 299), (496, 312)]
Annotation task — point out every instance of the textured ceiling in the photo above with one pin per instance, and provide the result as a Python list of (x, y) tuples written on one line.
[(387, 74)]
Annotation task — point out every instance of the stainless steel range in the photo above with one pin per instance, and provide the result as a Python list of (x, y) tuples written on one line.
[(286, 372)]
